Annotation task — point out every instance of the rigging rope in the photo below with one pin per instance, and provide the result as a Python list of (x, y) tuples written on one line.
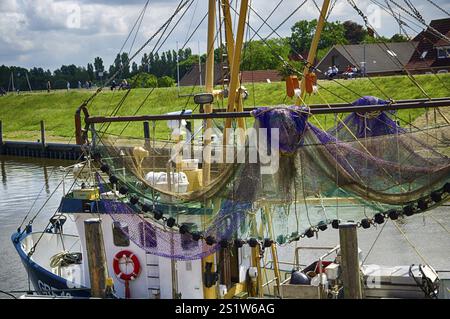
[(437, 33), (409, 75), (439, 7)]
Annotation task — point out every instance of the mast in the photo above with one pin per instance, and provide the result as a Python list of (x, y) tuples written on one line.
[(235, 68), (313, 49), (229, 37), (209, 86), (208, 261)]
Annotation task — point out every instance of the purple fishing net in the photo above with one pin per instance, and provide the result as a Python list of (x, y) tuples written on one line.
[(363, 124), (290, 121), (369, 157), (156, 240)]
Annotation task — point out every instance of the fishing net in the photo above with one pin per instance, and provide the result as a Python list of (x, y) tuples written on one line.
[(303, 178)]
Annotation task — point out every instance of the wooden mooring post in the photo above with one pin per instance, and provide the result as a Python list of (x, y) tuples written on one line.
[(351, 273), (1, 133), (43, 134), (147, 145), (98, 270)]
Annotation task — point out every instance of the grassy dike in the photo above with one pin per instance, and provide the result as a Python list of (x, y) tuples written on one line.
[(21, 114)]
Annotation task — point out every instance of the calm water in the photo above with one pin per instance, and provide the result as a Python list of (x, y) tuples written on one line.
[(24, 179)]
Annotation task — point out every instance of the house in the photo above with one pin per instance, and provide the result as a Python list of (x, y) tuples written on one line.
[(196, 75), (376, 59), (433, 50), (192, 77), (260, 76)]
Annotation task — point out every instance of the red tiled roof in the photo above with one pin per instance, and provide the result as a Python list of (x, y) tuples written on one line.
[(428, 41), (260, 76)]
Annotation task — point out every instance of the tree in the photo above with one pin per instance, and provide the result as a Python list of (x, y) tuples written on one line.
[(354, 33), (144, 63), (372, 39), (116, 66), (98, 66), (90, 71), (134, 68), (398, 38), (125, 65), (303, 32), (165, 81), (144, 80), (259, 55)]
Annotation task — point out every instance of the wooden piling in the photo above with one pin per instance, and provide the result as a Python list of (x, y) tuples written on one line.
[(349, 261), (147, 135), (98, 270), (1, 133), (43, 134)]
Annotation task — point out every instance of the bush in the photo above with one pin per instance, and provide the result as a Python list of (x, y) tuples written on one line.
[(165, 81), (143, 80)]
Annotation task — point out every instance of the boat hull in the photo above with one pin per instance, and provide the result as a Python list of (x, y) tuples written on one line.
[(44, 281)]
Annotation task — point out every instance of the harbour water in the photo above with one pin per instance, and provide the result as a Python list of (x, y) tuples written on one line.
[(24, 180)]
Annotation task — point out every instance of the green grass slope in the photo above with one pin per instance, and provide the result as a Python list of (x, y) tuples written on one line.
[(21, 114)]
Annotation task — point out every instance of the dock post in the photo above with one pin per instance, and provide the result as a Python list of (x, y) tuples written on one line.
[(147, 135), (1, 138), (349, 261), (98, 270), (43, 134)]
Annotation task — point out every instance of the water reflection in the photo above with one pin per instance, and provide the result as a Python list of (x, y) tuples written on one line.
[(24, 180), (47, 187), (4, 179)]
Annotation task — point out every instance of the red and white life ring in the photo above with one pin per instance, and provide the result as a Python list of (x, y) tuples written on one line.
[(129, 256)]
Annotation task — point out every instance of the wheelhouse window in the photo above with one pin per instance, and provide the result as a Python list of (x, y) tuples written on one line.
[(120, 234)]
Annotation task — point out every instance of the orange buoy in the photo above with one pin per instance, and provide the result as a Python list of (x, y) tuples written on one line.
[(310, 81), (291, 85)]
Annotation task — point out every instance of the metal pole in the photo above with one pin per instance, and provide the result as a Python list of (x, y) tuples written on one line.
[(96, 256), (315, 111), (12, 81), (28, 81), (349, 261), (209, 292), (209, 83), (200, 66), (178, 71)]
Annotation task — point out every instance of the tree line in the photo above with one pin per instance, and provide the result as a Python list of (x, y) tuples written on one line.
[(160, 69)]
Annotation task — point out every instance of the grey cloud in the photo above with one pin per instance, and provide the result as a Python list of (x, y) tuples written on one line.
[(38, 32)]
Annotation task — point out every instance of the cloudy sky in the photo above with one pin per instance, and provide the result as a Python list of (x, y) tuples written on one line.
[(49, 33)]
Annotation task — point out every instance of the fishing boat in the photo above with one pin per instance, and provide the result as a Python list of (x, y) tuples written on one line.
[(206, 213)]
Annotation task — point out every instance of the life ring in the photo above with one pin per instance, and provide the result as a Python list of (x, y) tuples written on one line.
[(136, 265)]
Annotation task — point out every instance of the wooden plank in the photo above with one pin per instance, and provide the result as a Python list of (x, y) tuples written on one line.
[(98, 270), (351, 274)]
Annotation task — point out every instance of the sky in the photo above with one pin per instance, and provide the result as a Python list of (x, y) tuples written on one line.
[(50, 33)]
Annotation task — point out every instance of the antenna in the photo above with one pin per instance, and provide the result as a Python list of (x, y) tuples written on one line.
[(12, 82), (28, 81)]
